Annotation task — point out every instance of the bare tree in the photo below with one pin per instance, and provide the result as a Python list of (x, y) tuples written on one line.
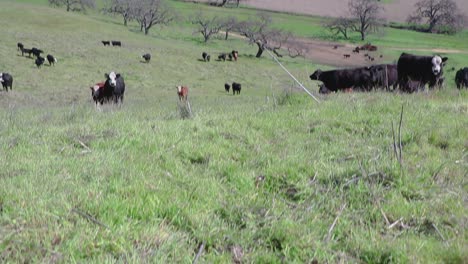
[(258, 31), (366, 15), (341, 25), (121, 7), (207, 26), (438, 14), (151, 12), (229, 24), (73, 4)]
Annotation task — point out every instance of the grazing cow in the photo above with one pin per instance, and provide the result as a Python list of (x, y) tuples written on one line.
[(356, 50), (39, 61), (51, 59), (346, 56), (335, 47), (36, 52), (227, 87), (7, 80), (205, 56), (182, 92), (335, 80), (147, 57), (115, 86), (384, 75), (116, 43), (28, 51), (222, 57), (20, 46), (461, 78), (230, 56), (106, 42), (423, 69), (236, 88), (235, 54)]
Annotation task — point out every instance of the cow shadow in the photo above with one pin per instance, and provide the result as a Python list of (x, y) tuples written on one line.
[(201, 60), (143, 61)]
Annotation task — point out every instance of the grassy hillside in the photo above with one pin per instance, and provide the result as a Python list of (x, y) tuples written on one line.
[(255, 178)]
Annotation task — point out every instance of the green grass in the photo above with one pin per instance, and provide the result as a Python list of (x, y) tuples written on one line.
[(159, 186)]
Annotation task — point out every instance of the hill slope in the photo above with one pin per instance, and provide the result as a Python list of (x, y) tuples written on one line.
[(259, 177)]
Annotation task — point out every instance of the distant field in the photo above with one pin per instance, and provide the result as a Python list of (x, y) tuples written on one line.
[(267, 176), (396, 10)]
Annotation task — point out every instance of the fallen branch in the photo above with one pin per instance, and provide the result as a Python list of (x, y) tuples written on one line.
[(89, 217), (84, 145), (438, 232), (334, 223), (395, 223)]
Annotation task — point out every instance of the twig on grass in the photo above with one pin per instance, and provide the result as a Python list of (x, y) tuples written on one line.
[(395, 223), (438, 232), (84, 146), (399, 137), (89, 217), (200, 251), (385, 217), (330, 230)]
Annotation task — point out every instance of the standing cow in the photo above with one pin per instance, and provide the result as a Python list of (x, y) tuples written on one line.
[(236, 88), (113, 89), (7, 81), (461, 78), (335, 80), (182, 92), (422, 69)]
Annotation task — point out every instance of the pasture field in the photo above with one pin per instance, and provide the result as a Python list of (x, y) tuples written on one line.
[(267, 176)]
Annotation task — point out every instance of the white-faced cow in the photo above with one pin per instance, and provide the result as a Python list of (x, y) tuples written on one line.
[(461, 78), (115, 83), (7, 80), (422, 69), (182, 92)]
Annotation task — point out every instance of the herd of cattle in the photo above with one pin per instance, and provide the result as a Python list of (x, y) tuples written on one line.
[(410, 74), (36, 53)]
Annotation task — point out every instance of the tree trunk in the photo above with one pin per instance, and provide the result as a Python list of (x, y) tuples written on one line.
[(227, 35), (363, 35), (260, 51), (147, 30)]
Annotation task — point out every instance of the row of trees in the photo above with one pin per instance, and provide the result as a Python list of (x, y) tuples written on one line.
[(364, 17)]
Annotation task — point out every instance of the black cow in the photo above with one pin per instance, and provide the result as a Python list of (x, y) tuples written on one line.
[(236, 88), (206, 56), (20, 46), (106, 42), (51, 59), (227, 87), (28, 51), (335, 80), (461, 78), (116, 43), (39, 61), (423, 69), (147, 57), (385, 75), (36, 52), (222, 57), (7, 80)]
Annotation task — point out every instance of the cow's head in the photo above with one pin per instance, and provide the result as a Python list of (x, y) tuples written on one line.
[(1, 77), (112, 78), (437, 64), (95, 91), (316, 75)]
